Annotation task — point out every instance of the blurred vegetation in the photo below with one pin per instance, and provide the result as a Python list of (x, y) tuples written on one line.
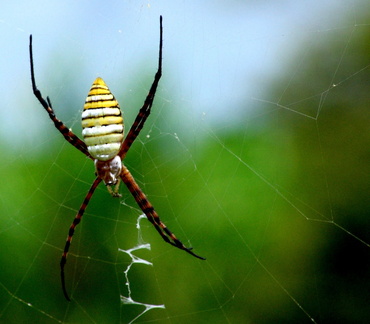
[(277, 204)]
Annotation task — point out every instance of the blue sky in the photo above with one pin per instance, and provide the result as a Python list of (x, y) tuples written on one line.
[(216, 54)]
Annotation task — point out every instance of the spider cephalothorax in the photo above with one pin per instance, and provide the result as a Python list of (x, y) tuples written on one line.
[(109, 171), (104, 142)]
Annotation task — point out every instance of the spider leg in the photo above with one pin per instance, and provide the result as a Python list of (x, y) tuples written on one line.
[(151, 214), (67, 133), (144, 111), (76, 221)]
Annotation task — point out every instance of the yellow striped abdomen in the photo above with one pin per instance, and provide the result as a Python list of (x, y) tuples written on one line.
[(102, 122)]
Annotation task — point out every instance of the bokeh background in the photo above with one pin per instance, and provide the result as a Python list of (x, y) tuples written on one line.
[(256, 154)]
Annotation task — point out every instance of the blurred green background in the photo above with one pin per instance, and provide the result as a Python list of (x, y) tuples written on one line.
[(256, 154)]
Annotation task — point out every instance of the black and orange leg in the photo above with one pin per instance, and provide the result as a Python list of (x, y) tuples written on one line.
[(67, 133), (76, 221), (151, 214), (144, 112)]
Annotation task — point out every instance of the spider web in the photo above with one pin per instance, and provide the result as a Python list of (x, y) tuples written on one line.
[(256, 154)]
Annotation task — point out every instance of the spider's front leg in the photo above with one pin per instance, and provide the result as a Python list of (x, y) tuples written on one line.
[(151, 214), (71, 231)]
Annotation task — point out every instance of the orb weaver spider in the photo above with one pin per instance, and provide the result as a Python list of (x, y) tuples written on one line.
[(104, 143)]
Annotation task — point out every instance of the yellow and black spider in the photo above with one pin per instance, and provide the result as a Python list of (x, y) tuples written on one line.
[(104, 143)]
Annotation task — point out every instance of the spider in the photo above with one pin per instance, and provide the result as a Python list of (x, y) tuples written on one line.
[(104, 143)]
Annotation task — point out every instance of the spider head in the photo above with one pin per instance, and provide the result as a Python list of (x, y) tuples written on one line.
[(109, 171)]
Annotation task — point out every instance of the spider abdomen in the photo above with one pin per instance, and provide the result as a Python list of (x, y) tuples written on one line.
[(102, 122)]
